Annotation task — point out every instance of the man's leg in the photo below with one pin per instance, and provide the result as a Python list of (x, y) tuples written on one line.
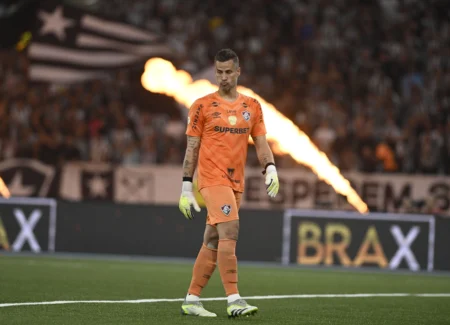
[(223, 205), (228, 265), (228, 232), (226, 256), (204, 266)]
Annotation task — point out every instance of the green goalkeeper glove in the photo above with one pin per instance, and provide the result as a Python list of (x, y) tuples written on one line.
[(187, 201), (272, 182)]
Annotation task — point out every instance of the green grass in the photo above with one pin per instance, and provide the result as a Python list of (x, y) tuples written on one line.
[(34, 279)]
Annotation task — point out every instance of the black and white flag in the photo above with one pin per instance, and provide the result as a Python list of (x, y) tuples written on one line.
[(72, 45)]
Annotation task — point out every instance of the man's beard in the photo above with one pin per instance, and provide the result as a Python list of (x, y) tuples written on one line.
[(226, 88)]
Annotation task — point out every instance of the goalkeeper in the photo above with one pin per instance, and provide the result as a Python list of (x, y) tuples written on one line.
[(218, 130)]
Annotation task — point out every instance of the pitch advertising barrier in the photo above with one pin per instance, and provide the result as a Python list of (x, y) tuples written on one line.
[(442, 244), (302, 237), (28, 224), (351, 239), (106, 228)]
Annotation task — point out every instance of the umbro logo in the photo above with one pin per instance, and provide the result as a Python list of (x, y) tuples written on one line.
[(216, 114), (215, 104)]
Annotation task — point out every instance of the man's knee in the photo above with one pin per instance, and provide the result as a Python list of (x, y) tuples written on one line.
[(211, 238), (212, 243), (228, 230)]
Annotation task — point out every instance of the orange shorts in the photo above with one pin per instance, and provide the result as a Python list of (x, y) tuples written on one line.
[(222, 204)]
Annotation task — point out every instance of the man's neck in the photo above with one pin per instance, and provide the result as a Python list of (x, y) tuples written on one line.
[(230, 96)]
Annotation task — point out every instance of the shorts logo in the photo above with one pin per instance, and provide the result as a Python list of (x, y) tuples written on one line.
[(226, 209), (246, 115), (232, 120)]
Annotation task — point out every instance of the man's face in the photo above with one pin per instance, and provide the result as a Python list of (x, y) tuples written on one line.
[(227, 74)]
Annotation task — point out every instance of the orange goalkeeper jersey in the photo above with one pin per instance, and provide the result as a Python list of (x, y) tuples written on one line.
[(224, 128)]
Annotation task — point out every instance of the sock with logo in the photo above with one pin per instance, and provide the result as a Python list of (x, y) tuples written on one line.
[(204, 266), (227, 261)]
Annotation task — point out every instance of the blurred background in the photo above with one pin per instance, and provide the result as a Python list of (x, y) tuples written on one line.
[(367, 81)]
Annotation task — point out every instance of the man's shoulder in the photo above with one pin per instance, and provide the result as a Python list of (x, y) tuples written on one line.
[(205, 102), (207, 98), (251, 101)]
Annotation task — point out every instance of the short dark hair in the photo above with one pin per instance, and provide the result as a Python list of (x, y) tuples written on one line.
[(226, 55)]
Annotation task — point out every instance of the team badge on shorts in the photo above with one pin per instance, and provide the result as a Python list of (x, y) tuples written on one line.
[(246, 115), (226, 209)]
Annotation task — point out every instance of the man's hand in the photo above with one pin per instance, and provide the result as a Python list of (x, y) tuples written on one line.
[(272, 183), (187, 200)]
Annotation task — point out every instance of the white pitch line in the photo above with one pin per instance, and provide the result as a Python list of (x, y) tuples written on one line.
[(140, 301)]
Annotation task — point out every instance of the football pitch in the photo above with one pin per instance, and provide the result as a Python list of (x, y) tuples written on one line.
[(81, 290)]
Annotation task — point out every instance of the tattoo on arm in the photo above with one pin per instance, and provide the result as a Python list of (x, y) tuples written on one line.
[(265, 158), (191, 156), (263, 150)]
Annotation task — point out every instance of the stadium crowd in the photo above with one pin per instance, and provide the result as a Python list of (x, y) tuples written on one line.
[(368, 81)]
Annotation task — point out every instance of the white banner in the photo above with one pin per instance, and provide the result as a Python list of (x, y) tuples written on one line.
[(381, 192), (299, 188), (133, 185), (87, 181)]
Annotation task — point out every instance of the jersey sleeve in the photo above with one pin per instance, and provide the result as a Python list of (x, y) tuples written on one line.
[(258, 127), (195, 119)]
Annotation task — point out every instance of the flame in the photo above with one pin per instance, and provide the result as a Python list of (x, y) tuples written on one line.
[(160, 76), (4, 189)]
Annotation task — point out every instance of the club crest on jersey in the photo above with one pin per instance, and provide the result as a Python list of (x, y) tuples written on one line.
[(226, 209), (232, 119), (246, 115)]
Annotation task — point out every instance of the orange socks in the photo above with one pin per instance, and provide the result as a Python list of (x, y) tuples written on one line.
[(227, 261), (204, 266)]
